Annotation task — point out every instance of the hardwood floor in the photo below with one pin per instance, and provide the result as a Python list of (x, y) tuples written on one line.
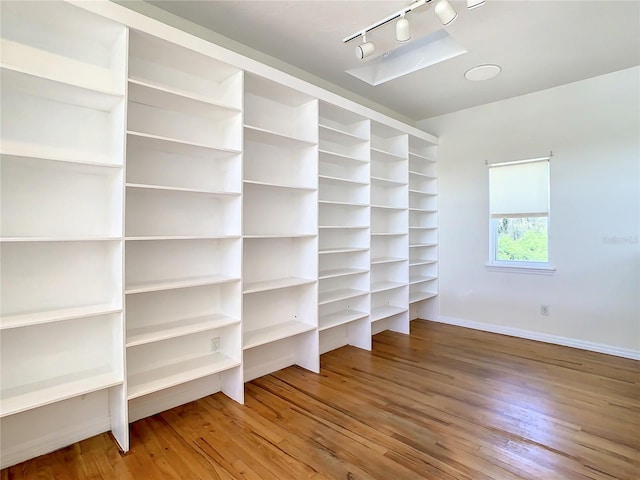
[(442, 403)]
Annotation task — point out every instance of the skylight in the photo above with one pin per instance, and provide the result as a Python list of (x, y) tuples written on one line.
[(421, 53)]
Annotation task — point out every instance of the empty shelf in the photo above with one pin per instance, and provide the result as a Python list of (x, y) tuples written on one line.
[(47, 316), (379, 313), (265, 285), (166, 376), (177, 328), (273, 333), (141, 287), (340, 318)]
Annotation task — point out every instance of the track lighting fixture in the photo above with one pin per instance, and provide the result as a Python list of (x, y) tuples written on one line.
[(403, 29), (445, 11), (366, 49), (471, 4)]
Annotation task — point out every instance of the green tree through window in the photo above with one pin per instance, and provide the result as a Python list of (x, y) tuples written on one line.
[(522, 239)]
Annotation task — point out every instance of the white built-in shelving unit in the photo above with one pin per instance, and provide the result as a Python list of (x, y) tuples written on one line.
[(343, 299), (280, 246), (389, 229), (62, 149), (423, 228), (182, 229), (177, 219)]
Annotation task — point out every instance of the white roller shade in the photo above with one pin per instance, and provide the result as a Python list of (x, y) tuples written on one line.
[(519, 189)]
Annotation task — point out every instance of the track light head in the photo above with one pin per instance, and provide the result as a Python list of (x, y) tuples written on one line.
[(471, 4), (445, 11), (365, 49), (403, 30)]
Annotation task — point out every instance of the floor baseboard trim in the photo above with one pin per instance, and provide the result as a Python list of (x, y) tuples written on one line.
[(541, 337)]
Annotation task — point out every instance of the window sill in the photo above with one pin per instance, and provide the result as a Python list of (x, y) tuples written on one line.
[(527, 269)]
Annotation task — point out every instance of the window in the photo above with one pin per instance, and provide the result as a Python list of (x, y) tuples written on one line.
[(519, 213)]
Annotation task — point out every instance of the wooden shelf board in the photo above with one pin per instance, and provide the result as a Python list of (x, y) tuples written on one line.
[(279, 235), (273, 333), (380, 313), (327, 251), (341, 272), (343, 227), (389, 182), (255, 287), (335, 135), (420, 296), (422, 193), (415, 279), (45, 152), (146, 382), (50, 316), (337, 295), (422, 245), (190, 99), (388, 207), (422, 210), (178, 328), (336, 157), (58, 89), (165, 144), (411, 227), (177, 141), (163, 188), (58, 239), (27, 397), (181, 237), (272, 137), (343, 317), (384, 286), (423, 175), (422, 157), (387, 155), (143, 287), (418, 262), (388, 234), (348, 204), (339, 180), (380, 260), (279, 185)]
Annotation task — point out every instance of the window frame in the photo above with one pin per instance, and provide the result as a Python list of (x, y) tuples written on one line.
[(518, 266)]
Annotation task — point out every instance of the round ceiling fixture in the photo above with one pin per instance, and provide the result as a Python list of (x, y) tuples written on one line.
[(482, 72)]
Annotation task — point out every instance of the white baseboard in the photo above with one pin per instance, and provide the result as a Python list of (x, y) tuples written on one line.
[(541, 337)]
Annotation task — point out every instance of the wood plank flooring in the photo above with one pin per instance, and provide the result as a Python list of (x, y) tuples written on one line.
[(443, 403)]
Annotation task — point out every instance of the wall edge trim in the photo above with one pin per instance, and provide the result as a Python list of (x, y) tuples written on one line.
[(541, 337)]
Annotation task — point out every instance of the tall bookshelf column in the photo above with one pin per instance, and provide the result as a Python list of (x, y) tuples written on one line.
[(343, 265), (280, 236), (62, 147), (183, 231), (423, 229), (389, 229)]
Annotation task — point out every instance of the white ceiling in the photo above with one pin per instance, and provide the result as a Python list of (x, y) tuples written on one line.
[(539, 44)]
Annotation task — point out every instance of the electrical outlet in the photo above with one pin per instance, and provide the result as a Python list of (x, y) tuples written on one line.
[(215, 344), (544, 309)]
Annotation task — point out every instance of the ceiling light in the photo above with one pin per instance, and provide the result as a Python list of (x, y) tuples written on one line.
[(366, 49), (471, 4), (409, 57), (445, 11), (482, 72), (403, 30)]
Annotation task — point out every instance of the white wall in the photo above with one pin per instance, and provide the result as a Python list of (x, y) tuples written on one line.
[(593, 128)]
